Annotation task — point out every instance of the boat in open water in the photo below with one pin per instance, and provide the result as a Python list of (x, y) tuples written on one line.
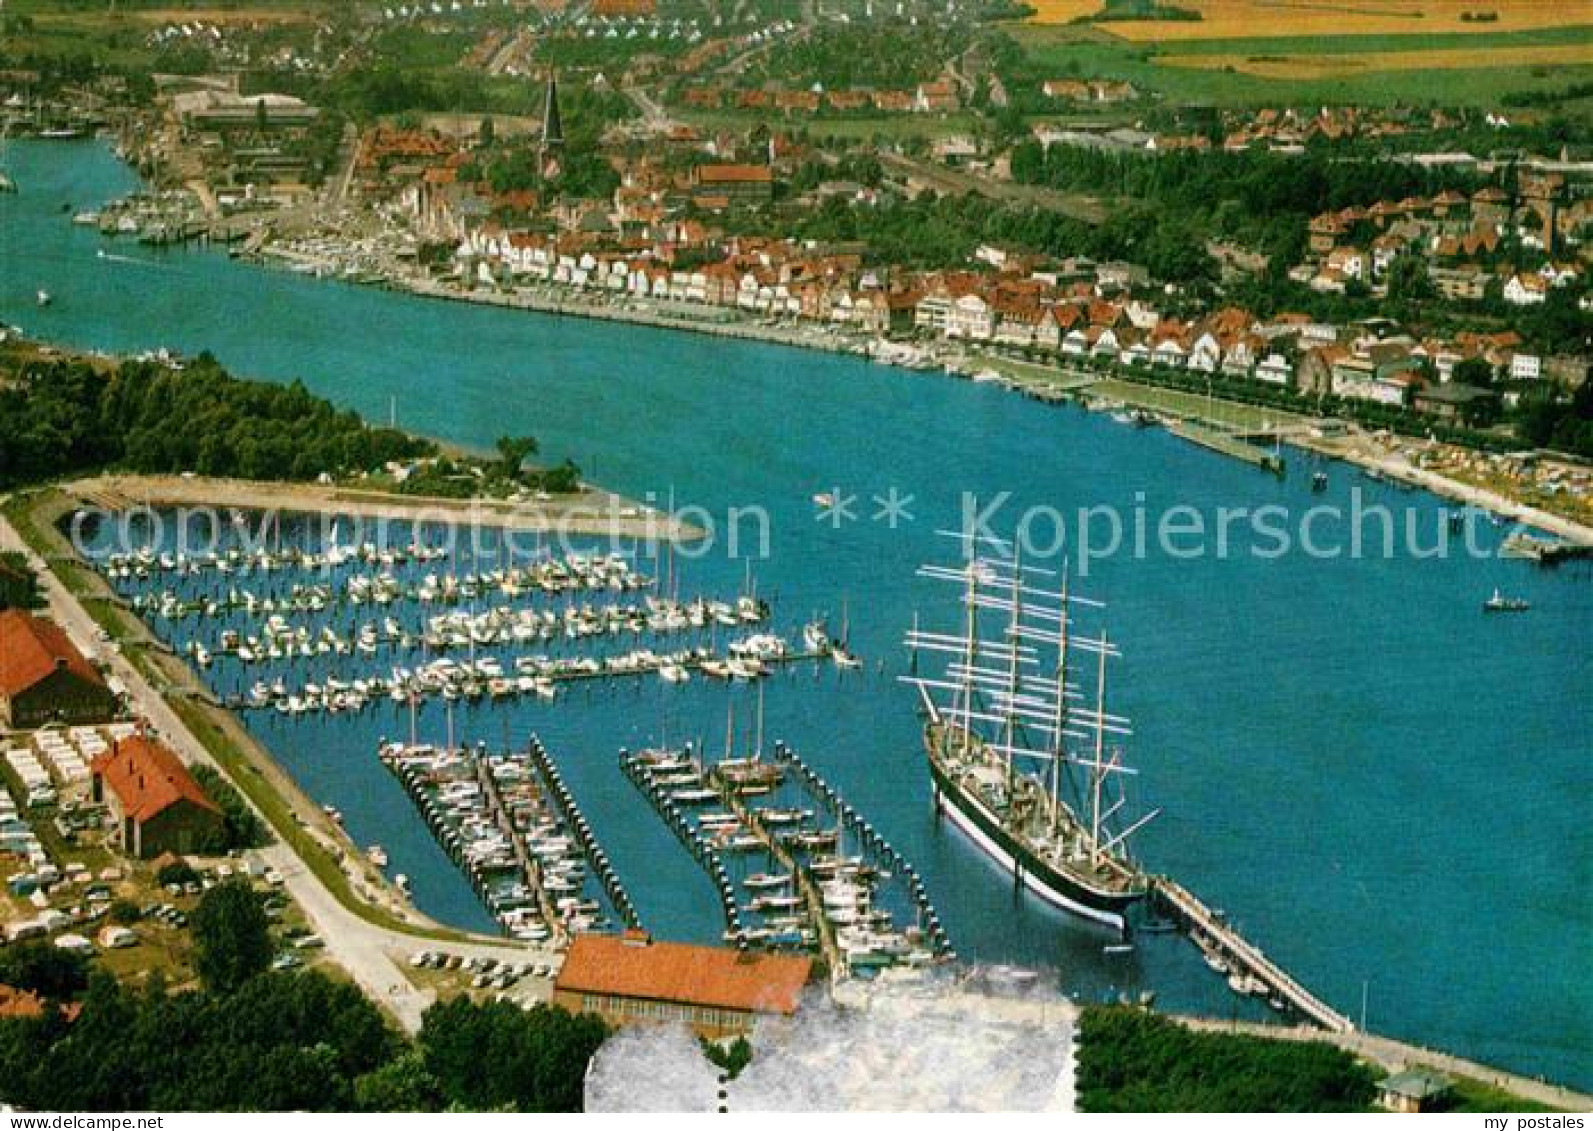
[(1019, 761), (1499, 603)]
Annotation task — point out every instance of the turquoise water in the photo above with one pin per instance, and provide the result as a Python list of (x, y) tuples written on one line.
[(1381, 785)]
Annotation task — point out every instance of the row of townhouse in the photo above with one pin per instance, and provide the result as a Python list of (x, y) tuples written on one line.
[(782, 279)]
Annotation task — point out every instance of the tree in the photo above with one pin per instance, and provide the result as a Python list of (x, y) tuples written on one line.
[(44, 969), (1408, 280), (513, 451), (733, 1058), (497, 1055), (177, 872), (1473, 371), (232, 937), (402, 1084)]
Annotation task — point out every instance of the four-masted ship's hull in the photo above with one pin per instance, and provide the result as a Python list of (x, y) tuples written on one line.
[(1053, 884)]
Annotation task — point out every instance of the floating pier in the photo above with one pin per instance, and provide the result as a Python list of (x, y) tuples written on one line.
[(500, 818), (854, 822), (578, 824), (1228, 444), (813, 896)]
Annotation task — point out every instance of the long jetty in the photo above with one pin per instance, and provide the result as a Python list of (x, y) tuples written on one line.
[(1211, 931), (1228, 444), (812, 899), (530, 868)]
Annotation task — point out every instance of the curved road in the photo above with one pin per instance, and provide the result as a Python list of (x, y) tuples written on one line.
[(374, 956)]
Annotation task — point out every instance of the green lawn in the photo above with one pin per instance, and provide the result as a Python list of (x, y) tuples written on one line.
[(1475, 1096), (1350, 44)]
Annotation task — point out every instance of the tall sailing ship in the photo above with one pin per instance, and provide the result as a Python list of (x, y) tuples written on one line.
[(1021, 758)]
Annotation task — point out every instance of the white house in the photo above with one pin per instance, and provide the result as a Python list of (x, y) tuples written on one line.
[(970, 317), (1275, 369), (1526, 290)]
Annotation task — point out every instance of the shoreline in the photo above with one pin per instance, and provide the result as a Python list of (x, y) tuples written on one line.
[(964, 364), (594, 512)]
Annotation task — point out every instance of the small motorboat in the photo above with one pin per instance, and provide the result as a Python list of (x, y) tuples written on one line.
[(1502, 604), (44, 297)]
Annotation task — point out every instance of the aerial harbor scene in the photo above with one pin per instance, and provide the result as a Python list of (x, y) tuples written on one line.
[(598, 531)]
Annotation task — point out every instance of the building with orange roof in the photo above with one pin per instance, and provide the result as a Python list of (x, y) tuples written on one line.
[(739, 184), (15, 1003), (158, 805), (44, 678), (631, 979)]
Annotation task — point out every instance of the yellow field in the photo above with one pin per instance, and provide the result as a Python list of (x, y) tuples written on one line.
[(1061, 11), (1247, 19), (1341, 66)]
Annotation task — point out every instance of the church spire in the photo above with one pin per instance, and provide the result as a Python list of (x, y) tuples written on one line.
[(552, 127)]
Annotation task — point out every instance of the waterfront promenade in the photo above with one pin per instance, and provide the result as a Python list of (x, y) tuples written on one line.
[(1226, 427), (1394, 1056)]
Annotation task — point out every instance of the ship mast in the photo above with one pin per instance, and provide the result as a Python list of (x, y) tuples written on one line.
[(1014, 633), (967, 692), (1059, 721), (1098, 771)]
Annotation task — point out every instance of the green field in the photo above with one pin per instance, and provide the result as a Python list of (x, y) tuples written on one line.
[(1350, 44), (1059, 51)]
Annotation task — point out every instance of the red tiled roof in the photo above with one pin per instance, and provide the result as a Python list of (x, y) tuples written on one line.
[(721, 174), (148, 778), (26, 1003), (635, 967), (31, 648)]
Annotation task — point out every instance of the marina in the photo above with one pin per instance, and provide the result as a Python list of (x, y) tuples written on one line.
[(1369, 668), (520, 631), (824, 879), (513, 829)]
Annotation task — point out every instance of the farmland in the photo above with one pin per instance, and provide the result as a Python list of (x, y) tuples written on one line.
[(1256, 19), (1373, 69), (1336, 65)]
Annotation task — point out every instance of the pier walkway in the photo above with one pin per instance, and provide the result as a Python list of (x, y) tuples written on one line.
[(1243, 956), (1227, 443)]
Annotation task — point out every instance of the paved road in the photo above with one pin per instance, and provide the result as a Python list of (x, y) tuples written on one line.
[(960, 182), (374, 956)]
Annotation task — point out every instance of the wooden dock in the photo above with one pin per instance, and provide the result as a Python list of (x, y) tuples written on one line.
[(1228, 444), (1242, 956)]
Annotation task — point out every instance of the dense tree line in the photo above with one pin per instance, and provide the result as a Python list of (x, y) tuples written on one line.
[(1566, 426), (1134, 1060), (933, 231), (257, 1040), (19, 586), (64, 417), (1258, 198), (241, 826)]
